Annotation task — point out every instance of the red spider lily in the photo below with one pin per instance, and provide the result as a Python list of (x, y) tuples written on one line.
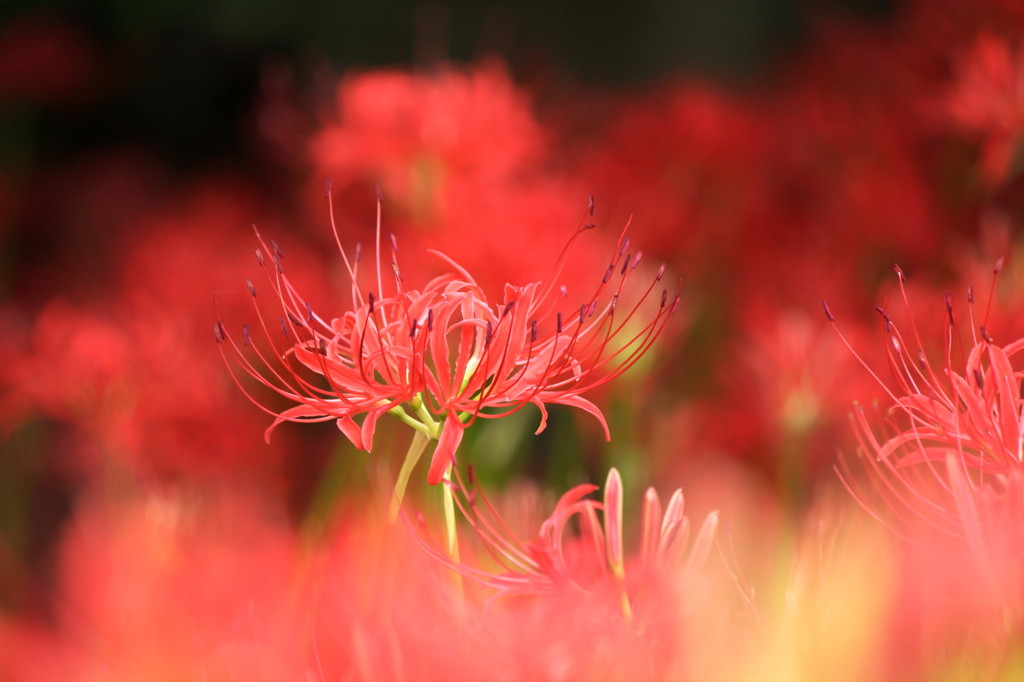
[(952, 460), (164, 586), (595, 560), (987, 100), (439, 357), (450, 146)]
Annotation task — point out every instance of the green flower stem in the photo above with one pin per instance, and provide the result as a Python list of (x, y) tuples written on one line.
[(433, 426), (416, 448), (426, 429), (399, 412), (453, 539), (449, 515)]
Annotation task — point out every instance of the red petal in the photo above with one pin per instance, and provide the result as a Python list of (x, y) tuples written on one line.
[(348, 426), (295, 414), (444, 453), (586, 406)]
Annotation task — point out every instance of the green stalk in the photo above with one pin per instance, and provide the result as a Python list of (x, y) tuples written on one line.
[(416, 448), (453, 541), (449, 515)]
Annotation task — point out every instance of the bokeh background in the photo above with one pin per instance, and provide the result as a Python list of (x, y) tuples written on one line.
[(772, 154)]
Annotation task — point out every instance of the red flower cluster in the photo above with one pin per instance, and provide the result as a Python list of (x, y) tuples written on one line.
[(949, 467), (440, 357), (595, 560), (125, 538), (987, 101)]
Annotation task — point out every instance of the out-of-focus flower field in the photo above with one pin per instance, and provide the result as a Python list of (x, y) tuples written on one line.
[(684, 379)]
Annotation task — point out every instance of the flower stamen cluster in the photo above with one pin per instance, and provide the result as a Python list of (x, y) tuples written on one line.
[(440, 357), (950, 460), (594, 561)]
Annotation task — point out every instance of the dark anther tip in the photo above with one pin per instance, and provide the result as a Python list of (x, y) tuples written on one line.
[(590, 205), (252, 289), (828, 312), (885, 316), (327, 188)]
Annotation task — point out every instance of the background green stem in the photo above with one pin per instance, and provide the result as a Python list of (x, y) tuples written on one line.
[(449, 516)]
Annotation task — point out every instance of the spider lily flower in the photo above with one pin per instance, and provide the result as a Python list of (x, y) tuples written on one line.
[(440, 357), (986, 101), (949, 468), (594, 561)]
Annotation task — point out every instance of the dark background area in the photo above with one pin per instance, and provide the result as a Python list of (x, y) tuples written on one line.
[(180, 77)]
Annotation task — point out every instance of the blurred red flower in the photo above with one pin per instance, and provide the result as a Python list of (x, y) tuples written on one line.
[(465, 166), (594, 562), (947, 470), (122, 360), (987, 100), (165, 587)]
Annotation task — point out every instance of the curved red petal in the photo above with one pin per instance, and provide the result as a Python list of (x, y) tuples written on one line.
[(444, 453)]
